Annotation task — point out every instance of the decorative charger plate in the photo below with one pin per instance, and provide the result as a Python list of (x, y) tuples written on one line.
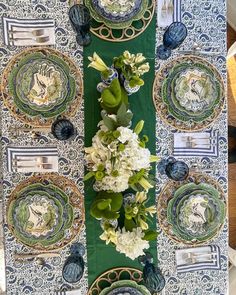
[(186, 218), (45, 212), (124, 287), (188, 93), (108, 278), (117, 14), (123, 31), (39, 84)]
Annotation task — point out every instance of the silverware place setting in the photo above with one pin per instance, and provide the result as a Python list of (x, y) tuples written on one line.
[(195, 257), (39, 162), (34, 35)]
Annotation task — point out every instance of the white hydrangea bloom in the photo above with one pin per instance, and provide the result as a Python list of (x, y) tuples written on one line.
[(131, 243)]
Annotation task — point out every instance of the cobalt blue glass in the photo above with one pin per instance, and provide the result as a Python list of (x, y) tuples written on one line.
[(63, 129), (80, 20), (152, 276), (172, 38), (175, 170), (73, 268)]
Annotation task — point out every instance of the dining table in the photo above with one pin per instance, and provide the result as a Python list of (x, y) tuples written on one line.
[(206, 24)]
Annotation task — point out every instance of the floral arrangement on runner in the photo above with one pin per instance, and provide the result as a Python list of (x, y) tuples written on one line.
[(119, 160)]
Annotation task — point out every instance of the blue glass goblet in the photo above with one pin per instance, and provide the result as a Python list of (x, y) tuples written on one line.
[(152, 276), (80, 20), (172, 38), (73, 268), (175, 170)]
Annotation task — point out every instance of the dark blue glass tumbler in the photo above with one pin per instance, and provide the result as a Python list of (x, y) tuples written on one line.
[(173, 38), (80, 20)]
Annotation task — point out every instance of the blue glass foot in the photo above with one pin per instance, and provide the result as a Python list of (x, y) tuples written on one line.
[(83, 39), (163, 52)]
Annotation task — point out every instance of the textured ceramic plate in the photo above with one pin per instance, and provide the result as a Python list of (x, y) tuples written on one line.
[(124, 287), (42, 214), (117, 10), (118, 22), (172, 102), (196, 212), (42, 85), (38, 84), (191, 92)]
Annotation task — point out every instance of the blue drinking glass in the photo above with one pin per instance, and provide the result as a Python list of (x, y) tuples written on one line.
[(172, 38), (80, 20), (175, 170)]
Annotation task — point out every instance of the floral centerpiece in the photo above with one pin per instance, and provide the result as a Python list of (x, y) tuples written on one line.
[(119, 160)]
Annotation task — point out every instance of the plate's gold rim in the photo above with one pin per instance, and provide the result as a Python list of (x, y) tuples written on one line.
[(75, 199), (166, 195), (38, 121), (105, 33), (95, 289), (162, 109)]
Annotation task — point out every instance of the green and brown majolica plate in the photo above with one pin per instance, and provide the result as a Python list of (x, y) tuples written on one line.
[(44, 214), (112, 13), (39, 84), (124, 287)]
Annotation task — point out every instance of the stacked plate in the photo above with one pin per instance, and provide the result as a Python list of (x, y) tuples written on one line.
[(40, 215), (42, 85), (117, 14), (125, 287), (191, 91), (196, 212)]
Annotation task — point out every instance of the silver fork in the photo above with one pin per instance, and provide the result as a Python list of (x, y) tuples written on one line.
[(43, 39), (35, 33)]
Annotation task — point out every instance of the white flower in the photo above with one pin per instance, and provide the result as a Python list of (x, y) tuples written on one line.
[(131, 243), (126, 134), (110, 235)]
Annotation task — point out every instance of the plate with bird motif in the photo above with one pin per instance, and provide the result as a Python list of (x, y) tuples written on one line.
[(117, 14), (41, 83), (41, 214)]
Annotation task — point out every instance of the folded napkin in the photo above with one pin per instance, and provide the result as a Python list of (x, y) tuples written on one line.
[(205, 262), (168, 11), (196, 144), (30, 156), (30, 26), (72, 292)]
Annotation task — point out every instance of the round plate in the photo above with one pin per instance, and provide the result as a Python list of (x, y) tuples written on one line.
[(124, 287), (172, 109), (110, 21), (39, 84), (116, 10), (64, 194), (113, 275), (167, 200), (136, 28)]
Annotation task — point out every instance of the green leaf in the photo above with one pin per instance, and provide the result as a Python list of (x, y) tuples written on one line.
[(150, 235), (88, 175), (110, 215), (129, 224), (123, 116), (103, 204)]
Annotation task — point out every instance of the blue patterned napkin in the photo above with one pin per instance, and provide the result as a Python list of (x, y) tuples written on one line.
[(203, 144), (168, 11), (204, 262), (27, 156), (29, 25)]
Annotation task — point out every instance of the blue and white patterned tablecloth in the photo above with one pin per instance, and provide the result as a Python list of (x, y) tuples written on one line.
[(206, 23), (32, 278)]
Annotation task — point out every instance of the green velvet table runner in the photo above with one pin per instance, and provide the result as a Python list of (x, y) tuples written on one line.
[(102, 257)]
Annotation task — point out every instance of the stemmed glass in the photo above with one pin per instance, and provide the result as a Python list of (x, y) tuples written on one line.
[(172, 38), (80, 20)]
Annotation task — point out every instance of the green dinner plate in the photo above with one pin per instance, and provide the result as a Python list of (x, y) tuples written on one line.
[(23, 220), (116, 25), (172, 84), (42, 85), (124, 287)]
